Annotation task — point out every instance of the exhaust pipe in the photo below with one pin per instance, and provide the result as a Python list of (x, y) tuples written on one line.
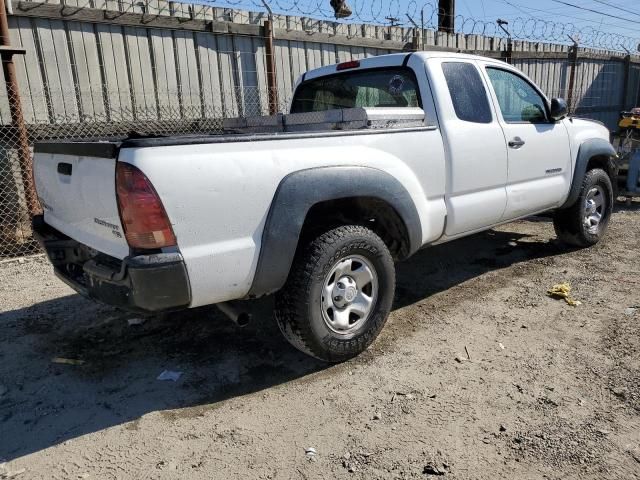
[(239, 317)]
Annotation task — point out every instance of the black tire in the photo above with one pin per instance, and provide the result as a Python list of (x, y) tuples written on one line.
[(569, 223), (299, 307)]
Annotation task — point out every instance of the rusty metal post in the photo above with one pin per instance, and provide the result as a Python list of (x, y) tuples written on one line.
[(24, 153), (272, 81), (573, 64), (625, 88), (446, 16)]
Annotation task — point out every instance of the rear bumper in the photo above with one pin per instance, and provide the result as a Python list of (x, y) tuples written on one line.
[(141, 283)]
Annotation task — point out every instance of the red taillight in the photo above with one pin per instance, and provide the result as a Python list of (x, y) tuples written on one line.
[(145, 222), (347, 65)]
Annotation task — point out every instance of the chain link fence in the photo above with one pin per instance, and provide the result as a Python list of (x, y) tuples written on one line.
[(133, 113), (600, 88), (112, 82), (15, 185)]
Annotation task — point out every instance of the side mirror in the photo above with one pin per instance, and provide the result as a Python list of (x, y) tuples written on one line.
[(558, 109)]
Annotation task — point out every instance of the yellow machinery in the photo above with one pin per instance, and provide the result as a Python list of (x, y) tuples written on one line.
[(628, 142), (630, 119)]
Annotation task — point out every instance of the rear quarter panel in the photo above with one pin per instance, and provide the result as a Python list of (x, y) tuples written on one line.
[(218, 195)]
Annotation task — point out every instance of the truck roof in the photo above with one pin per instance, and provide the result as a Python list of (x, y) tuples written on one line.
[(392, 60)]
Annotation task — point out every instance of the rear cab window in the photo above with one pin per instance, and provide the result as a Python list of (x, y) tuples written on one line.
[(382, 87), (467, 91)]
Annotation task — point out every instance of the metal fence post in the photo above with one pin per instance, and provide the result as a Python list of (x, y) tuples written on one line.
[(24, 153), (415, 40), (625, 87), (272, 80), (573, 63), (507, 56), (446, 16), (415, 36)]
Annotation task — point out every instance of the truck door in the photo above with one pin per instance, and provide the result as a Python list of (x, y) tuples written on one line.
[(539, 152), (476, 151)]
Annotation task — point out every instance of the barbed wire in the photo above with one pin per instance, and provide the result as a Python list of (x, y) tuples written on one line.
[(425, 15), (414, 14)]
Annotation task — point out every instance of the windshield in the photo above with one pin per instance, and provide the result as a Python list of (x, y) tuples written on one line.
[(390, 87)]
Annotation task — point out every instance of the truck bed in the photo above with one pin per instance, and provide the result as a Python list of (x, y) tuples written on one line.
[(351, 121)]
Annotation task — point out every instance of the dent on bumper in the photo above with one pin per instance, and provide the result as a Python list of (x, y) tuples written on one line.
[(143, 283)]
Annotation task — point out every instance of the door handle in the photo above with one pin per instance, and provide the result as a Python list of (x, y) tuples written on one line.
[(516, 142), (65, 168)]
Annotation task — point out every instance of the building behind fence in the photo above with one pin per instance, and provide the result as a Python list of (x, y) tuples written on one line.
[(171, 68)]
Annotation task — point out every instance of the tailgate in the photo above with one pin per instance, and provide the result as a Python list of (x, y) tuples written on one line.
[(75, 182)]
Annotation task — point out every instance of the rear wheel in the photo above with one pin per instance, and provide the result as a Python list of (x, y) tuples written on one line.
[(585, 222), (338, 295)]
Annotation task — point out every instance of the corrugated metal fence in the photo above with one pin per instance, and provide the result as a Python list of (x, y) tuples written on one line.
[(86, 63), (91, 69)]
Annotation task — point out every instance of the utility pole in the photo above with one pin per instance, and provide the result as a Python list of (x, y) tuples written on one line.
[(446, 15)]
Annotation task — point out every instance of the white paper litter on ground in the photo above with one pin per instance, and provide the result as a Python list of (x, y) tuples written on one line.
[(170, 375)]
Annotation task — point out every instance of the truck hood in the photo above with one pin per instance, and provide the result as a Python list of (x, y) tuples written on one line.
[(585, 127)]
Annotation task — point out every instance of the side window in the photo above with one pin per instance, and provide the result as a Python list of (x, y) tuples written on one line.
[(467, 92), (518, 100)]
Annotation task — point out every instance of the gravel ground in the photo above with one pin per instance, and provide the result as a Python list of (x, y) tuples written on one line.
[(477, 375)]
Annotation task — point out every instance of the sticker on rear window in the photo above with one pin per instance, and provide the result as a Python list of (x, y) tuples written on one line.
[(396, 85)]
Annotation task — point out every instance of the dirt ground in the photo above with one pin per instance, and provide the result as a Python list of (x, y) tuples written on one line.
[(546, 390)]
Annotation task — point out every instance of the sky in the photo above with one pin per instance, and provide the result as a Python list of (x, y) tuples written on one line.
[(621, 17), (624, 19)]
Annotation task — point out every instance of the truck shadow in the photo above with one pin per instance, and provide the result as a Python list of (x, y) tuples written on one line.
[(45, 403), (443, 266)]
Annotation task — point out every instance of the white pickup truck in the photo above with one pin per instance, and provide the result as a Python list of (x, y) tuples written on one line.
[(378, 158)]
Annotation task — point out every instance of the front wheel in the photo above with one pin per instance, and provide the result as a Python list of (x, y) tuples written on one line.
[(585, 222), (338, 295)]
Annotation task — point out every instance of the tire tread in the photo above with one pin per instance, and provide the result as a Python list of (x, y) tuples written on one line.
[(567, 222), (293, 301)]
